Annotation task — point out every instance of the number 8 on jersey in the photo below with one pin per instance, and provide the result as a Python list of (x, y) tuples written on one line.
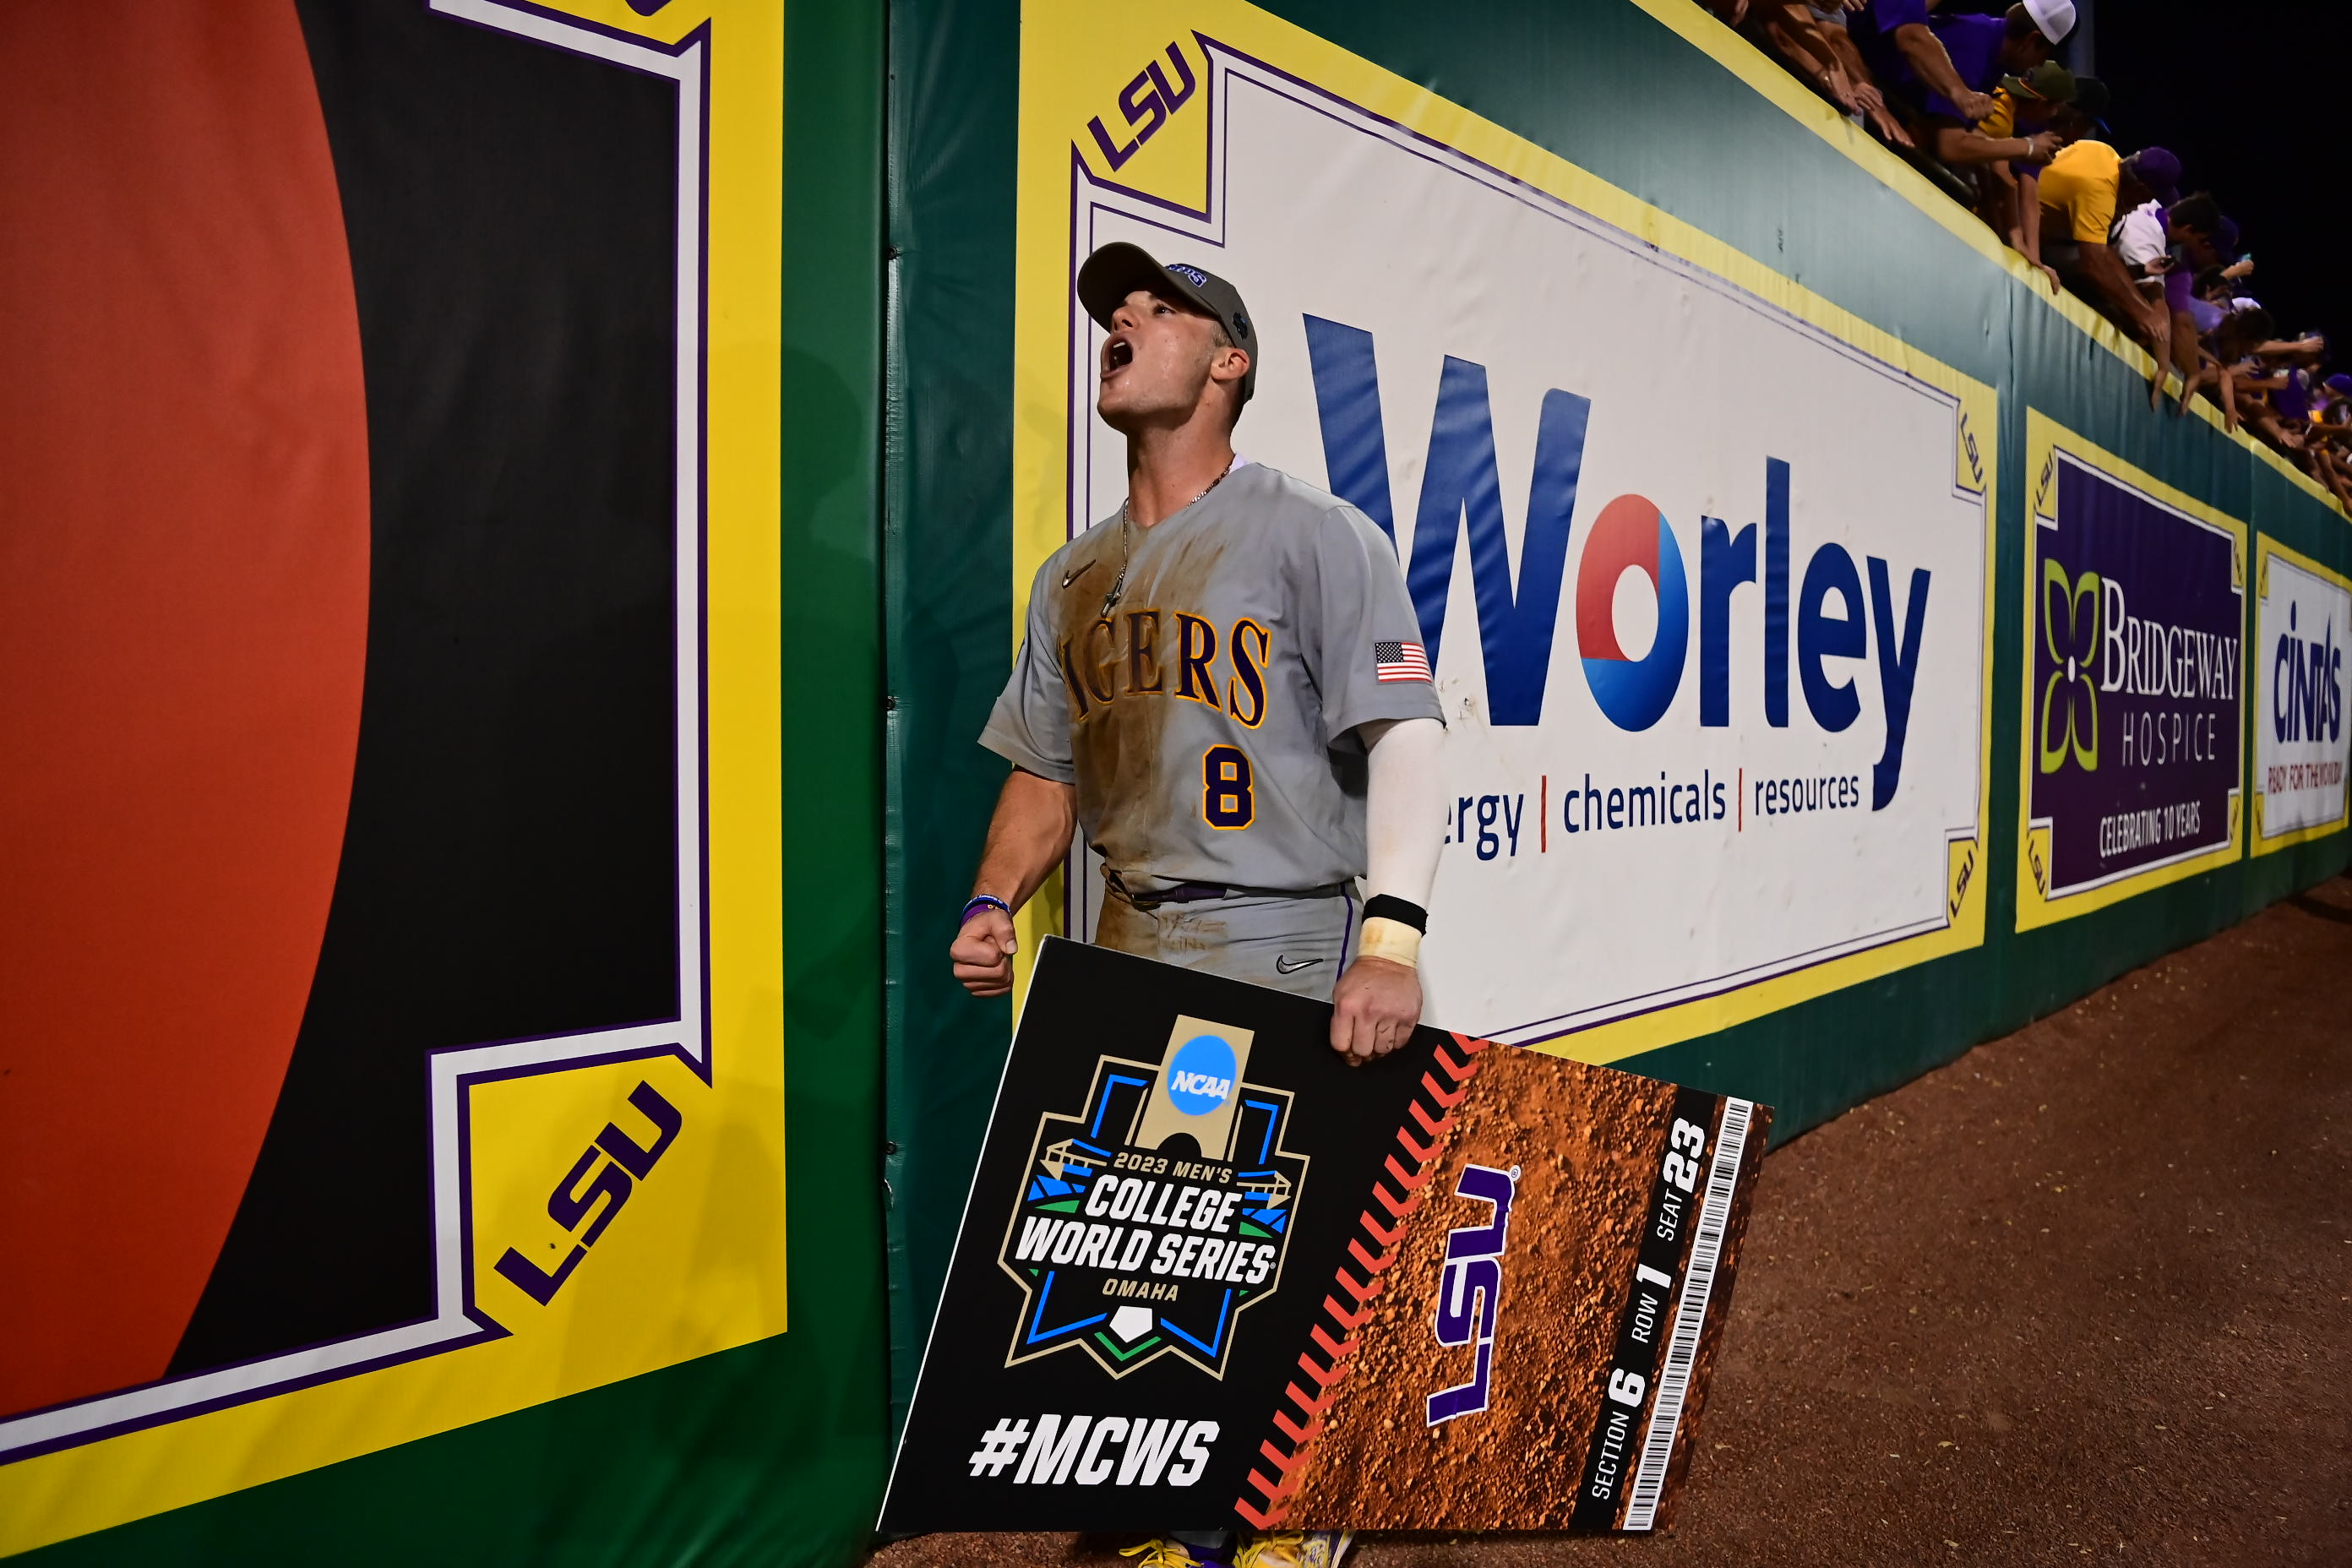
[(1225, 788)]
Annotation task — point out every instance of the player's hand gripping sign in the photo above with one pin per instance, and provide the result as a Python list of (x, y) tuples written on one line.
[(1210, 1275)]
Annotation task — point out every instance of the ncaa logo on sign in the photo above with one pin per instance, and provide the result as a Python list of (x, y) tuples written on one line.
[(1201, 1078)]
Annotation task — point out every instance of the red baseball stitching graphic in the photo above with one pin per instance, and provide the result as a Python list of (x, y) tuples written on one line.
[(1294, 1441)]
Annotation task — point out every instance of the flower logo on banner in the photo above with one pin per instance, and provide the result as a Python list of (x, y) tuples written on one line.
[(2070, 694)]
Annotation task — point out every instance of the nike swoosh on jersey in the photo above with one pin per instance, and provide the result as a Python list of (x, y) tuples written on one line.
[(1074, 572), (1285, 966)]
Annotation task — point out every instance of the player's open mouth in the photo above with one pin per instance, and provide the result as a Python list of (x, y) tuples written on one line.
[(1117, 353)]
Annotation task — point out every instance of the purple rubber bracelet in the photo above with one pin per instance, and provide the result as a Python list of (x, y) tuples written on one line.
[(984, 901)]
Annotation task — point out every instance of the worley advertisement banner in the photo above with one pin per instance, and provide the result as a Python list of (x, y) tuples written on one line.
[(1701, 561), (397, 1044), (2303, 613), (2133, 673), (1210, 1274)]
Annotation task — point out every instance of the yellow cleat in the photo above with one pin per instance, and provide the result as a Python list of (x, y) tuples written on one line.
[(1161, 1554), (1295, 1549)]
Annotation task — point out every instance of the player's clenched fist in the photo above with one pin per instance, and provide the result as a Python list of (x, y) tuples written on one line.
[(1374, 1009), (983, 955)]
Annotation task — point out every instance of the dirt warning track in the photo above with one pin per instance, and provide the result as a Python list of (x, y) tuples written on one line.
[(2085, 1295)]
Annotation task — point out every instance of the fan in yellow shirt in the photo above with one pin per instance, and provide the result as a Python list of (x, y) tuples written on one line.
[(2080, 194)]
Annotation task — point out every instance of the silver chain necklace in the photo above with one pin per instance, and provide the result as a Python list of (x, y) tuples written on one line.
[(1127, 535)]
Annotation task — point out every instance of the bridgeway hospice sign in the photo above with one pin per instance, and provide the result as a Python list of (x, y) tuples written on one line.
[(1210, 1275), (2133, 706)]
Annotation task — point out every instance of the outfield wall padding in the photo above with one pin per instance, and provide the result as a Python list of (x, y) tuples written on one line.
[(519, 513), (434, 526)]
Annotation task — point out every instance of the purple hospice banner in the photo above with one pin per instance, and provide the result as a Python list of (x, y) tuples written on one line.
[(2140, 612)]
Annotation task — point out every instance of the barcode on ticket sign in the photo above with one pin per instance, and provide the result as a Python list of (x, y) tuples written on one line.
[(1690, 1317)]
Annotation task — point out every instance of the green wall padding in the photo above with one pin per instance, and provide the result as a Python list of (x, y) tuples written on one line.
[(774, 1453)]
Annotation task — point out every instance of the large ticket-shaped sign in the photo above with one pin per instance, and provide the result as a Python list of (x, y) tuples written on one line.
[(1211, 1274)]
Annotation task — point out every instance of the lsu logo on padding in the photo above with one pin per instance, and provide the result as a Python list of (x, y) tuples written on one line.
[(1149, 1221)]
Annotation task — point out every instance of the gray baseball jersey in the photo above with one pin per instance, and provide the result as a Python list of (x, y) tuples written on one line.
[(1204, 719)]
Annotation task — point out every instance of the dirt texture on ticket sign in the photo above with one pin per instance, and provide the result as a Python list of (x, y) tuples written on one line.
[(1468, 1261), (1587, 1144)]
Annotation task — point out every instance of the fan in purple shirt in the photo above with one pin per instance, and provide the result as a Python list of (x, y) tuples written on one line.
[(1906, 50)]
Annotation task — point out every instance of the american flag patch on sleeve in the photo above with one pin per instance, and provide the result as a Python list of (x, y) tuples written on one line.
[(1400, 661)]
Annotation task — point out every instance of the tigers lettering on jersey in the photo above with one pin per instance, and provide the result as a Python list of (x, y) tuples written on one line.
[(1201, 675), (1139, 653)]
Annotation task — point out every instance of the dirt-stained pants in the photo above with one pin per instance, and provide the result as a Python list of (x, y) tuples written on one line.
[(1298, 945)]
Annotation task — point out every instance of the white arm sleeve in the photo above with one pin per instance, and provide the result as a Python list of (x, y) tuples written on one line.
[(1404, 813)]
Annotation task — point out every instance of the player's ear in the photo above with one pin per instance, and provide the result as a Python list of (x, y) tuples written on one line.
[(1230, 365)]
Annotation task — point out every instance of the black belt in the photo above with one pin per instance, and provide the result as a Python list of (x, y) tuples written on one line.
[(1201, 892)]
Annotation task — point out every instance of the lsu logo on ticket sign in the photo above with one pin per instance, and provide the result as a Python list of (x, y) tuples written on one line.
[(1149, 1221), (1470, 1293)]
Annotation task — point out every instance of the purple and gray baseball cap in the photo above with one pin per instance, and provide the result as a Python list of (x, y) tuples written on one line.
[(1119, 269), (2159, 171)]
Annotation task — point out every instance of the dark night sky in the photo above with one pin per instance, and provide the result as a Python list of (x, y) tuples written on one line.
[(2249, 96)]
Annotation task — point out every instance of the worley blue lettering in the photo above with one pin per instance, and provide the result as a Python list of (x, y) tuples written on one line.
[(1898, 671), (1725, 561), (1822, 636), (1460, 482), (1776, 592)]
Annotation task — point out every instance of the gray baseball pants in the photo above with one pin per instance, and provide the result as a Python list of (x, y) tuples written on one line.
[(1298, 945)]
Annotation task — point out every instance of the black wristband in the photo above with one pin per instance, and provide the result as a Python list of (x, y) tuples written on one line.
[(1382, 907)]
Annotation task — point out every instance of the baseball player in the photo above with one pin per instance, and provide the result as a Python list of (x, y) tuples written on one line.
[(1221, 685)]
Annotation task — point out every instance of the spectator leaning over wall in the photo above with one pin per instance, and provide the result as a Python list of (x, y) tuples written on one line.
[(2081, 192), (2243, 330), (1813, 42), (2137, 236), (1901, 48), (1794, 30), (2208, 300), (2071, 121), (2210, 307), (2018, 129), (2285, 375), (2329, 439), (1983, 49), (2190, 228)]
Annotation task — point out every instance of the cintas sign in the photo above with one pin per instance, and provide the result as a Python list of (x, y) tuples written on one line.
[(2302, 742)]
